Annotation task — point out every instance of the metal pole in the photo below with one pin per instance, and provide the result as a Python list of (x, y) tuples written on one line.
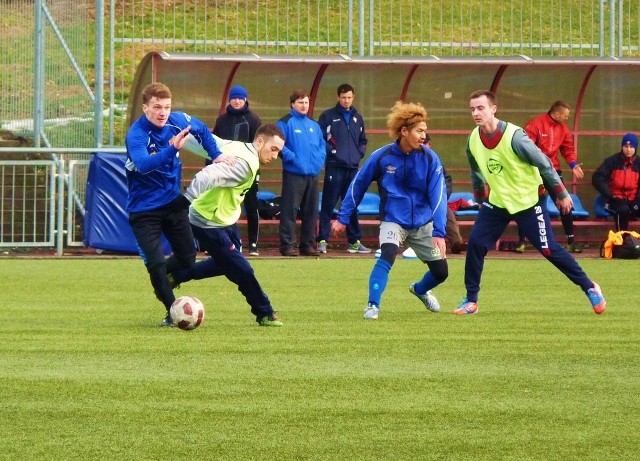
[(38, 73), (371, 8), (60, 210), (601, 41), (112, 34), (361, 28), (620, 28), (612, 29), (99, 77), (350, 28)]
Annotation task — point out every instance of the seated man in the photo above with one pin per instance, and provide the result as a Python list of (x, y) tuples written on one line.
[(618, 180)]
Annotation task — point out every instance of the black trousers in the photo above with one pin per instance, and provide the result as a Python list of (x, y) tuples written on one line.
[(148, 228), (223, 246)]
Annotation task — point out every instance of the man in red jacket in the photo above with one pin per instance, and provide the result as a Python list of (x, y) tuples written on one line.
[(551, 134), (618, 180)]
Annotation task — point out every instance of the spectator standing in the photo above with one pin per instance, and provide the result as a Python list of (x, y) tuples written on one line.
[(303, 157), (552, 136), (154, 172), (503, 157), (239, 123), (214, 199), (346, 142), (618, 180), (413, 207)]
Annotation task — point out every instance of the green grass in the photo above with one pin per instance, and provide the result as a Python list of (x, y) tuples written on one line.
[(86, 373)]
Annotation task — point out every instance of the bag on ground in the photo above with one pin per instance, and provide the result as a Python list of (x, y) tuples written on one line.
[(621, 245)]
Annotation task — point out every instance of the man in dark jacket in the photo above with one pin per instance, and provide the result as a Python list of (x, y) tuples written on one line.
[(343, 130), (618, 180), (238, 123)]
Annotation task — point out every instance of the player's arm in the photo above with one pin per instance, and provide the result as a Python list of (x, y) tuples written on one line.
[(478, 184), (357, 188), (568, 152), (217, 175), (143, 161), (286, 154), (600, 179), (200, 131), (437, 194)]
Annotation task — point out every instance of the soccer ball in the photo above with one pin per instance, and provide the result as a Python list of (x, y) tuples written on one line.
[(187, 312)]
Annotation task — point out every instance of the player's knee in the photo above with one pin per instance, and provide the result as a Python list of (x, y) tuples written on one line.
[(388, 252), (157, 272), (439, 269)]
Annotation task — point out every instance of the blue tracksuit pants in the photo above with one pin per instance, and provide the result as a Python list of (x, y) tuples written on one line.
[(491, 223)]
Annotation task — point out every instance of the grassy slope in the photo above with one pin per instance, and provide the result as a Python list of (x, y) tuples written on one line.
[(86, 374)]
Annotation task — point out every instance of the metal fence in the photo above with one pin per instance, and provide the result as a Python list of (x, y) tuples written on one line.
[(66, 66)]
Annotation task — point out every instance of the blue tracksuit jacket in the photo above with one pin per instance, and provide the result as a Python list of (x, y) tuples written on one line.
[(304, 152), (153, 167), (411, 186)]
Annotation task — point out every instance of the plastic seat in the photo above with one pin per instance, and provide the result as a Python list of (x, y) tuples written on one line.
[(370, 204), (598, 207), (578, 210), (266, 195), (552, 208), (335, 213), (467, 197)]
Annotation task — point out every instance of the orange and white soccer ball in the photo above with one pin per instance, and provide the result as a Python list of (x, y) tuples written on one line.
[(187, 312)]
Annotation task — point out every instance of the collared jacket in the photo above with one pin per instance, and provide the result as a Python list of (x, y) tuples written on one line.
[(304, 152), (346, 141), (153, 167), (237, 125), (618, 177), (411, 187), (552, 138)]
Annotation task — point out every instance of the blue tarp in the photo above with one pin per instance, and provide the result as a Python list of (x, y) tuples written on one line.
[(106, 221)]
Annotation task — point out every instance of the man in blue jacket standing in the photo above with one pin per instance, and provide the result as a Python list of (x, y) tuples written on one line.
[(413, 205), (303, 157), (155, 202), (346, 143)]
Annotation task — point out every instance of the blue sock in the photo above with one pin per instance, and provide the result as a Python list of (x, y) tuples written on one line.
[(427, 283), (378, 281)]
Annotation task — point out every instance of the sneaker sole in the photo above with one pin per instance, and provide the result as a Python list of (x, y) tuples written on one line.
[(465, 312)]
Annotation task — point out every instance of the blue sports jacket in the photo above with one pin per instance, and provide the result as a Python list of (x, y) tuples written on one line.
[(411, 186), (346, 141), (153, 167), (303, 153)]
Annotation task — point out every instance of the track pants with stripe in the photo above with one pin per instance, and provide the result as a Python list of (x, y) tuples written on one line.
[(491, 223)]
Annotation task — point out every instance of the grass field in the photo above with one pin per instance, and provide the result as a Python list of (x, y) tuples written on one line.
[(86, 373)]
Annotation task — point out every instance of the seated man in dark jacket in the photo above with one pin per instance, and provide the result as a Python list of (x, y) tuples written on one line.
[(618, 180)]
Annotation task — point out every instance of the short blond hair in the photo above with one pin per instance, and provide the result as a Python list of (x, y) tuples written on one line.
[(405, 114)]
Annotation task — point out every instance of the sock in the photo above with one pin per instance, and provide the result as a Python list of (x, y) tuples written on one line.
[(378, 281), (427, 283)]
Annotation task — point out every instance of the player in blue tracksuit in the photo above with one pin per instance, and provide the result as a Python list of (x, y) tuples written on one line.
[(155, 203), (413, 205)]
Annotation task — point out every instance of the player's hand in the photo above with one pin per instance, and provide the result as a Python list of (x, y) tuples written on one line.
[(565, 205), (229, 160), (577, 171), (178, 140), (337, 228), (440, 244)]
